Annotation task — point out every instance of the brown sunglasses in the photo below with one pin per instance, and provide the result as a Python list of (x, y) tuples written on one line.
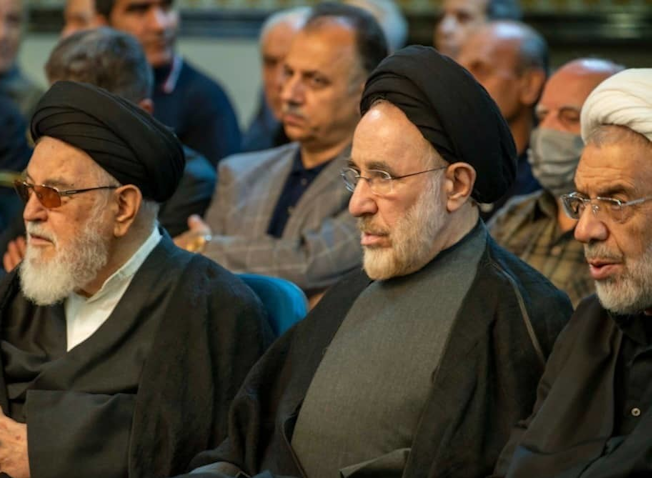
[(48, 196)]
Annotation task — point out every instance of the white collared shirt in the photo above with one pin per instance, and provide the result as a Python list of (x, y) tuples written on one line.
[(85, 315)]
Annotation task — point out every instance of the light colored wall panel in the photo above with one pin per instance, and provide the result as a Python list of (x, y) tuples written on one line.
[(234, 63)]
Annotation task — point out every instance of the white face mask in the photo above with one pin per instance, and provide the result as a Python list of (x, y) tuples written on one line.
[(554, 156)]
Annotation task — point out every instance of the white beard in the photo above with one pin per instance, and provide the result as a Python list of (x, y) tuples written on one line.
[(46, 282), (629, 293), (411, 238)]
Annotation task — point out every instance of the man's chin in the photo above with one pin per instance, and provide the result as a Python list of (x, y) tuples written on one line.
[(158, 58)]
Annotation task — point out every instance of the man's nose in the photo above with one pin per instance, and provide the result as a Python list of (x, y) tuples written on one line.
[(448, 24), (157, 18), (291, 90), (363, 200), (34, 210), (590, 228)]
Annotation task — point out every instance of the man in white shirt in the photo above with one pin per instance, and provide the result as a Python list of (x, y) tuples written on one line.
[(105, 324)]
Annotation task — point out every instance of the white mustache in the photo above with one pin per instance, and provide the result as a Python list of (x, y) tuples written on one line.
[(39, 231)]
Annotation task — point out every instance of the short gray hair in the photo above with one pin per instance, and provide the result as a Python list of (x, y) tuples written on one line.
[(390, 17), (296, 16), (103, 57)]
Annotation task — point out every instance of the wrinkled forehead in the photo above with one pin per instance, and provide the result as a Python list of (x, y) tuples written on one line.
[(328, 48), (54, 160), (613, 166), (386, 139)]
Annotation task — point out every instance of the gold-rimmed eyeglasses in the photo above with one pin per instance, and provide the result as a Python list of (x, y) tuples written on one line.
[(49, 196)]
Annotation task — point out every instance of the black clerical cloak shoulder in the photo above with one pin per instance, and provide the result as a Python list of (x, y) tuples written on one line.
[(485, 383), (210, 330), (570, 433)]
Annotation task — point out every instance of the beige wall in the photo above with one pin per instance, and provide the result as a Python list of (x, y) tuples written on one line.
[(234, 63)]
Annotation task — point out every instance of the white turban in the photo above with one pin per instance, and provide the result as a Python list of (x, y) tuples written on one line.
[(624, 99)]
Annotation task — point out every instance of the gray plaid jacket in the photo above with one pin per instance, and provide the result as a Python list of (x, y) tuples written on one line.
[(320, 242)]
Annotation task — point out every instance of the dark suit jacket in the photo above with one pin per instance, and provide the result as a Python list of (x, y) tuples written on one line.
[(485, 383), (321, 240)]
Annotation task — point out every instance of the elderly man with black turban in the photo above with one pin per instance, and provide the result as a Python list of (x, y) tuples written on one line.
[(419, 364), (120, 352)]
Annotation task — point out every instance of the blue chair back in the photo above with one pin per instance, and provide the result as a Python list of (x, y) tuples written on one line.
[(285, 303)]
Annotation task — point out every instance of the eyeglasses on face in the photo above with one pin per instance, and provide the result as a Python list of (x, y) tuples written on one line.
[(48, 196), (610, 208), (380, 182)]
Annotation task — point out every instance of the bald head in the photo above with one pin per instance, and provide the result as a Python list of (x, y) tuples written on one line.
[(510, 60), (567, 90), (276, 36)]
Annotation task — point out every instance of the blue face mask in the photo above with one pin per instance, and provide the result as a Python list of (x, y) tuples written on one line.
[(554, 156)]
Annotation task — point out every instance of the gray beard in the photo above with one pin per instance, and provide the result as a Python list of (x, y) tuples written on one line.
[(48, 282), (632, 292), (412, 238)]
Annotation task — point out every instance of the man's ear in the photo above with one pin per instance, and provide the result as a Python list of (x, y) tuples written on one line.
[(128, 200), (532, 83), (460, 180)]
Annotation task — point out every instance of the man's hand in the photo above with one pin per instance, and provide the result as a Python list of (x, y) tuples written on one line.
[(13, 448), (14, 254), (195, 239)]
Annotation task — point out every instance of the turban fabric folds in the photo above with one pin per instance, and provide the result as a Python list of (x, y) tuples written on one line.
[(124, 140), (624, 99), (452, 111)]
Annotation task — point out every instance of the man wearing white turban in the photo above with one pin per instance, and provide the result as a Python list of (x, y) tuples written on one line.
[(593, 413)]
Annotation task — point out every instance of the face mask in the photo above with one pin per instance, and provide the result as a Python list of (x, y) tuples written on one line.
[(554, 156)]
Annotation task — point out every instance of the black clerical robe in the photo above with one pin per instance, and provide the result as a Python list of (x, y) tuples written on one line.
[(484, 384), (589, 421), (150, 388)]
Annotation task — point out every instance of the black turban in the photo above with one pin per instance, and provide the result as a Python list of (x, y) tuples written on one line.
[(452, 111), (124, 140)]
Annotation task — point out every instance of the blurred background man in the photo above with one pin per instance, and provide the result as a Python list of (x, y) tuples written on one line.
[(283, 211), (277, 33), (79, 15), (510, 60), (535, 227), (194, 105), (13, 84), (460, 18)]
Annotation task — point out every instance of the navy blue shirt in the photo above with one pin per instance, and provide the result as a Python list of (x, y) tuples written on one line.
[(296, 184), (197, 109)]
